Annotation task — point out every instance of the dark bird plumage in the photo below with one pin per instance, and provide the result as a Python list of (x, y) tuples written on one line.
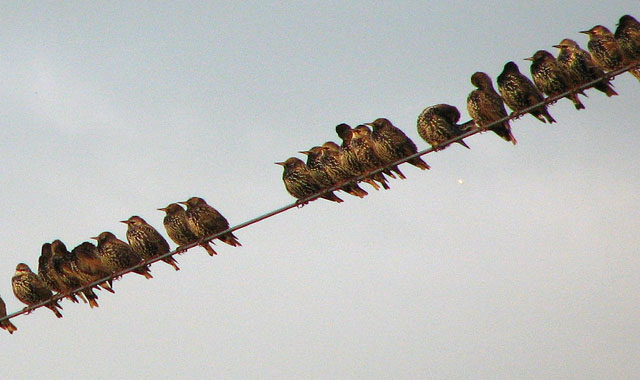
[(86, 263), (146, 241), (485, 106), (519, 92), (331, 159), (30, 290), (204, 220), (299, 182), (439, 123), (317, 168), (580, 68), (6, 325), (391, 144), (351, 162), (117, 255), (175, 223), (69, 279), (606, 51), (45, 271), (550, 77), (628, 36)]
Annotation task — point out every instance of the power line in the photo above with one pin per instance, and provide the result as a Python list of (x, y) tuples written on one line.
[(303, 201)]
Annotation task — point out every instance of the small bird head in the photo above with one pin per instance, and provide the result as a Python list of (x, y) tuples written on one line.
[(291, 163), (510, 67), (380, 123), (22, 268), (84, 250), (331, 146), (567, 43), (449, 112), (194, 202), (104, 237), (344, 131), (134, 220), (540, 56), (58, 248), (362, 130), (171, 209), (481, 80), (598, 31), (627, 21), (46, 251)]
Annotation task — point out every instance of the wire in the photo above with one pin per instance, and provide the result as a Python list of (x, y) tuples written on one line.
[(303, 201)]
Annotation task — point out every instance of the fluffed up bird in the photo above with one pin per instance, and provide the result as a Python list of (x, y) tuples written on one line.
[(439, 123), (146, 241), (117, 255), (204, 221), (628, 36), (29, 289), (85, 262), (69, 280), (485, 106), (299, 182), (519, 92), (317, 168), (6, 325), (580, 68), (351, 161), (175, 222), (391, 144), (606, 51), (332, 161), (550, 77)]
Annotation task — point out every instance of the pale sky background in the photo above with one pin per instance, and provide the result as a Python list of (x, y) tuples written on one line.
[(529, 269)]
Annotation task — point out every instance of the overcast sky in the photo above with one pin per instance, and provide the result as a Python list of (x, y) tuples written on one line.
[(501, 262)]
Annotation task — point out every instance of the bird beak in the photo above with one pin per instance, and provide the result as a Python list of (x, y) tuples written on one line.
[(529, 59), (124, 221), (162, 209), (585, 32), (279, 163), (559, 46), (94, 238), (304, 152), (184, 203)]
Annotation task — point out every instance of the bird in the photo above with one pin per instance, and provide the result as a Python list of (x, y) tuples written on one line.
[(175, 223), (628, 37), (606, 51), (299, 182), (317, 168), (50, 276), (30, 290), (350, 161), (117, 255), (332, 161), (391, 144), (580, 68), (550, 77), (438, 123), (485, 106), (68, 279), (86, 263), (146, 241), (6, 324), (365, 150), (204, 220), (519, 92)]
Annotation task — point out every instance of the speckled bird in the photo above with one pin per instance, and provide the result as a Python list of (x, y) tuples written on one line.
[(204, 220), (332, 161), (45, 270), (175, 223), (117, 255), (485, 106), (628, 36), (550, 77), (69, 279), (519, 92), (299, 182), (580, 68), (6, 325), (317, 168), (391, 144), (30, 290), (606, 51), (86, 263), (351, 163), (365, 150), (439, 123), (146, 241)]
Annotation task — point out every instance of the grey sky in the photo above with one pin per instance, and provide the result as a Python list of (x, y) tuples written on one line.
[(528, 269)]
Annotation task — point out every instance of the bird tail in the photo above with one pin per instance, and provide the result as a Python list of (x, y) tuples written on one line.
[(144, 271), (54, 306), (7, 325), (548, 116), (332, 197), (82, 297), (372, 183), (396, 169), (355, 190), (379, 177), (231, 239), (610, 91), (209, 249), (106, 286), (576, 102), (92, 297), (464, 144), (171, 261), (418, 162), (635, 73)]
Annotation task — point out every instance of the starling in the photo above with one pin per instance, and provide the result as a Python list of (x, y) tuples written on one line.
[(332, 161), (175, 222), (204, 221), (606, 51), (365, 150), (485, 107), (30, 290), (50, 276), (316, 167), (351, 163), (86, 263), (68, 279), (580, 68), (116, 255), (391, 144), (519, 92), (299, 182), (438, 123), (628, 37), (146, 241), (6, 324), (550, 77)]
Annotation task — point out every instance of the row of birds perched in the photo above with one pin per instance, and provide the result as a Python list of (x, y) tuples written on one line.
[(364, 151), (62, 271)]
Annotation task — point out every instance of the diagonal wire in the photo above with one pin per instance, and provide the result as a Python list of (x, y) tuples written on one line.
[(303, 201)]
